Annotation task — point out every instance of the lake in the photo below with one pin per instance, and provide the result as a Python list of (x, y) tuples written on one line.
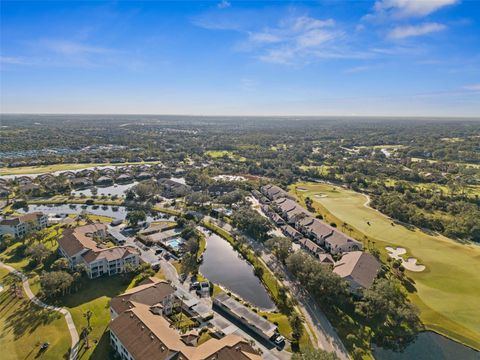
[(224, 266), (109, 211), (430, 346), (117, 189)]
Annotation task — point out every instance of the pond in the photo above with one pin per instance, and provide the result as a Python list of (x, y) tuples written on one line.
[(117, 189), (430, 346), (116, 212), (224, 266)]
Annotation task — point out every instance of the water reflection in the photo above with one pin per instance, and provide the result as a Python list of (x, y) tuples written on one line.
[(430, 346), (223, 265), (115, 212)]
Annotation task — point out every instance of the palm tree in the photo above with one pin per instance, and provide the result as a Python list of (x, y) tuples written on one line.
[(86, 330), (88, 315)]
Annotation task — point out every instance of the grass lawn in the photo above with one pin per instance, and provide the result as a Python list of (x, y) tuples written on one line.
[(202, 245), (95, 296), (62, 199), (431, 161), (166, 211), (470, 190), (221, 153), (321, 169), (204, 337), (182, 321), (60, 167), (447, 292), (23, 326)]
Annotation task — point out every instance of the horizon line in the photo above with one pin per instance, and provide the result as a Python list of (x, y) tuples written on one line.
[(247, 116)]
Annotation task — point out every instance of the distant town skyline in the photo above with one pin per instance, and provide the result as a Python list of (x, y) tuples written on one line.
[(324, 58)]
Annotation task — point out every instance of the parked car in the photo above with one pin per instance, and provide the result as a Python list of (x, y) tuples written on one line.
[(279, 340)]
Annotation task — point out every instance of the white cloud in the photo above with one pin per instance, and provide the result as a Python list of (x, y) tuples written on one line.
[(315, 37), (402, 32), (305, 23), (69, 53), (408, 8), (357, 69), (224, 4), (282, 55), (13, 60), (264, 37), (472, 87), (293, 38), (66, 47)]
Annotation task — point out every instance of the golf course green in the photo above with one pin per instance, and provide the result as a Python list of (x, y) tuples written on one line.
[(447, 292)]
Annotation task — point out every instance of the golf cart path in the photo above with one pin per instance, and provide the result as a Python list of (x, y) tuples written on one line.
[(36, 301)]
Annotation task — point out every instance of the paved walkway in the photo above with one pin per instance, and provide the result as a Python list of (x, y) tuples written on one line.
[(35, 300)]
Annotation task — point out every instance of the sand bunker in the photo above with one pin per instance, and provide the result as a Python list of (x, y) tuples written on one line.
[(301, 189), (396, 252), (1, 288), (409, 264), (320, 196)]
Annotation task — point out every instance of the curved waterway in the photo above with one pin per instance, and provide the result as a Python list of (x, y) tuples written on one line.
[(430, 346), (224, 266)]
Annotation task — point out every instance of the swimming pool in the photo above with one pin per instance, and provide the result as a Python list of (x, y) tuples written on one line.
[(174, 243)]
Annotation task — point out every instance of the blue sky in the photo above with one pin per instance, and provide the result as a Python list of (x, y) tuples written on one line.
[(383, 57)]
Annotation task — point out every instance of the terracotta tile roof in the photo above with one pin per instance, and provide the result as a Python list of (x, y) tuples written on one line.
[(109, 254), (148, 294), (34, 216), (75, 240), (149, 336)]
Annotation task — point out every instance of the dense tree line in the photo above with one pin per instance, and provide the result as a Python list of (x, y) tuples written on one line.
[(384, 308)]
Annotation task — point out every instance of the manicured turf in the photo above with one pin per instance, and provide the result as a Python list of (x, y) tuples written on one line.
[(469, 165), (447, 293), (24, 326), (469, 190), (95, 296), (322, 169), (222, 153), (60, 167)]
